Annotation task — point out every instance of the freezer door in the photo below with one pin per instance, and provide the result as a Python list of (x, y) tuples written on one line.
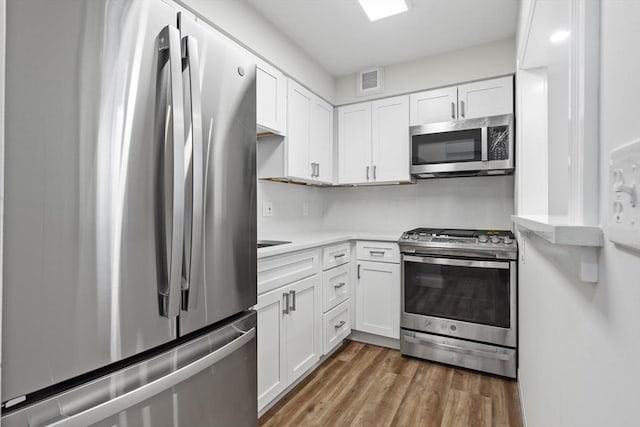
[(90, 241), (220, 237), (208, 381)]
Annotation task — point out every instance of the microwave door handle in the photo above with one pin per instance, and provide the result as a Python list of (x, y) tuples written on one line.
[(484, 142)]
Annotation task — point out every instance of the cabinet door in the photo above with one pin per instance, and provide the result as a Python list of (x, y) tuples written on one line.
[(433, 106), (486, 98), (321, 149), (390, 139), (272, 367), (354, 144), (299, 105), (271, 95), (304, 329), (378, 298)]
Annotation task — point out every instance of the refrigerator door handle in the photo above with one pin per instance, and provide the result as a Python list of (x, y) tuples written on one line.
[(194, 179), (172, 177), (127, 400)]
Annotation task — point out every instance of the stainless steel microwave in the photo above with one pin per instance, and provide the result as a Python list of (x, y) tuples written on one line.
[(469, 147)]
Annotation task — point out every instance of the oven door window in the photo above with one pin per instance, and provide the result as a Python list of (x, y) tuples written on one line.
[(470, 294), (447, 147)]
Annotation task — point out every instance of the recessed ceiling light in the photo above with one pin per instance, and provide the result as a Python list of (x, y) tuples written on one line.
[(559, 36), (378, 9)]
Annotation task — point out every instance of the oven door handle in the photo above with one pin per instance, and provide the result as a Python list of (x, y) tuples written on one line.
[(456, 349), (457, 262)]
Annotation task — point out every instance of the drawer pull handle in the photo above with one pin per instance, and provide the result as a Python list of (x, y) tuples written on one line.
[(339, 285), (339, 255), (340, 325), (381, 253)]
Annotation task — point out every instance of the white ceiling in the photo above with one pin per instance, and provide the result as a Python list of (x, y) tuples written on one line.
[(338, 35)]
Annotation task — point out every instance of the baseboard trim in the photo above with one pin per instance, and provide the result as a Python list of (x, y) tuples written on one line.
[(373, 339), (521, 399)]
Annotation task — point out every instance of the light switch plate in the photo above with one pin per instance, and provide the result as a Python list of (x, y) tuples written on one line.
[(623, 214)]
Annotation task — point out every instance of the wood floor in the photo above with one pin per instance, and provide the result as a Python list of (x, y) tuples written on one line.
[(366, 385)]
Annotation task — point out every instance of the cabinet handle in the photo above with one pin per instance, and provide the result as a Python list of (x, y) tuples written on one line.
[(381, 253), (317, 170), (453, 110), (374, 172), (359, 270), (285, 303), (462, 108), (293, 300), (339, 255), (340, 285), (340, 325), (367, 173)]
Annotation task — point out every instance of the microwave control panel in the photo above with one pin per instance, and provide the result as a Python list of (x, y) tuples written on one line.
[(498, 143)]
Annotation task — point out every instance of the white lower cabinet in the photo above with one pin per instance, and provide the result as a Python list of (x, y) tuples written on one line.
[(378, 298), (303, 327), (289, 335), (272, 368), (336, 326)]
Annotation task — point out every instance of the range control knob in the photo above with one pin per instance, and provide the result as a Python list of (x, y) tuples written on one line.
[(404, 236), (495, 239), (483, 238), (414, 236), (507, 240)]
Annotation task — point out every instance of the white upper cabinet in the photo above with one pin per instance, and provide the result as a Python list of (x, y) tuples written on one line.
[(433, 106), (321, 147), (486, 98), (299, 102), (390, 139), (373, 142), (354, 143), (271, 95), (306, 153)]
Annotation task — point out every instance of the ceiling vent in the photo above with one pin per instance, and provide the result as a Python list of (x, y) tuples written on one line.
[(370, 81)]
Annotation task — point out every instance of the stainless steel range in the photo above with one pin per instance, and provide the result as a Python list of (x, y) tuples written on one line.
[(459, 298)]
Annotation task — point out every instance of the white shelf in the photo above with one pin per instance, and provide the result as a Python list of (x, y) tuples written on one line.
[(559, 231), (573, 247)]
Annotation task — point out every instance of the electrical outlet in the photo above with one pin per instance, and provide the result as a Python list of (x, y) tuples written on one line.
[(305, 209), (267, 209), (623, 223)]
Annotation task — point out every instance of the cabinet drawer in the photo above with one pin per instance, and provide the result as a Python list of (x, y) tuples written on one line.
[(378, 251), (281, 270), (336, 287), (335, 255), (336, 326)]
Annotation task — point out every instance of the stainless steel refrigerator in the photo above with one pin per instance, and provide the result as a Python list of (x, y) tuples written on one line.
[(130, 218)]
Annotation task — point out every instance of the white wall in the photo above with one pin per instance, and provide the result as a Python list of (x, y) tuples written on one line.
[(580, 342), (480, 202), (288, 200), (239, 20), (475, 63)]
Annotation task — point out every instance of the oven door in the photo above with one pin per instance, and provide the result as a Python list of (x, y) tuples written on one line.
[(465, 298)]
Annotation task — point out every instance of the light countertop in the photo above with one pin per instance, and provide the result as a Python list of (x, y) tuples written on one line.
[(313, 239)]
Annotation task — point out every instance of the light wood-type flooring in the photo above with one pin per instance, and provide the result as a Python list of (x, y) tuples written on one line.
[(366, 385)]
